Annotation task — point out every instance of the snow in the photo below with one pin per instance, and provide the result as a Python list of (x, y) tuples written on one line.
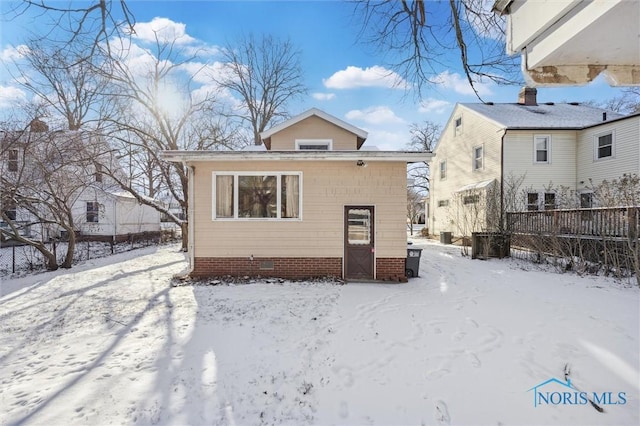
[(113, 342)]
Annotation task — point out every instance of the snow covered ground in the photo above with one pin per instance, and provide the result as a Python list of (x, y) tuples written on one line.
[(463, 344)]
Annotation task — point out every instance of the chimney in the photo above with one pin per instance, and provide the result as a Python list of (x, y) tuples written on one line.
[(38, 126), (527, 96)]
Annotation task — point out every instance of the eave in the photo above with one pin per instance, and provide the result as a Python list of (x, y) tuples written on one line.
[(367, 156)]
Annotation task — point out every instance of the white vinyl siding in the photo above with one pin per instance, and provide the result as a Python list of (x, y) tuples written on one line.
[(626, 151)]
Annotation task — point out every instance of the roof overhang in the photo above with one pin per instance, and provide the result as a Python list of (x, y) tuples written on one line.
[(571, 42), (224, 156)]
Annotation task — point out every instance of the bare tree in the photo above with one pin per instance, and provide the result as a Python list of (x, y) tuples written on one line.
[(415, 35), (157, 111), (42, 187), (415, 207), (95, 21), (266, 74), (628, 102), (423, 138)]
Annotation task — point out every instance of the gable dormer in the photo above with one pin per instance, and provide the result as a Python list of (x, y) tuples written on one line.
[(313, 130)]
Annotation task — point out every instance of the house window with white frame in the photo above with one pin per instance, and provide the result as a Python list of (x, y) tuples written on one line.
[(93, 209), (443, 170), (478, 157), (457, 126), (443, 203), (270, 195), (549, 201), (532, 201), (604, 146), (12, 164), (10, 209), (314, 144), (542, 149)]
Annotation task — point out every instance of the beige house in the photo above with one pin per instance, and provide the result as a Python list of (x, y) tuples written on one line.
[(311, 201), (498, 157)]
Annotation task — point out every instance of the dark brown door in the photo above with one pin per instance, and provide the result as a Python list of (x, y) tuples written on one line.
[(358, 242)]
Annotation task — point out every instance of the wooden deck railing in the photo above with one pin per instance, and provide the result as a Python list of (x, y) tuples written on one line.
[(617, 222)]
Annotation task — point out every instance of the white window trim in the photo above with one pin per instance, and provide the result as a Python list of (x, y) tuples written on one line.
[(597, 136), (457, 130), (443, 162), (535, 150), (235, 196), (328, 142), (473, 159)]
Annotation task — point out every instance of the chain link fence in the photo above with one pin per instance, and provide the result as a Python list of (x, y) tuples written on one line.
[(24, 259)]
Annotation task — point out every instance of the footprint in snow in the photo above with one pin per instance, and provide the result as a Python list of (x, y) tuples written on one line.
[(442, 413)]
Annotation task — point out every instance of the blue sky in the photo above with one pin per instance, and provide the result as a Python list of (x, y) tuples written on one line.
[(339, 70)]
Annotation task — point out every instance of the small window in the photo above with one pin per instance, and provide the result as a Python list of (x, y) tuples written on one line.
[(98, 174), (10, 209), (604, 146), (478, 158), (532, 201), (458, 126), (314, 144), (13, 160), (586, 200), (92, 211), (443, 170), (471, 199), (542, 148), (549, 201), (443, 203)]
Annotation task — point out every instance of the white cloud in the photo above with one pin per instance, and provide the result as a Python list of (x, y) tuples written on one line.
[(323, 96), (11, 53), (387, 140), (459, 84), (10, 95), (375, 115), (375, 76), (164, 29), (433, 105)]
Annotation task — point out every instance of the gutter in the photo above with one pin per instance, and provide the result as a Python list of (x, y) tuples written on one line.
[(504, 133), (190, 216)]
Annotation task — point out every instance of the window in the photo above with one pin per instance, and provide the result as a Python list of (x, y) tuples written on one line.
[(10, 209), (98, 173), (458, 126), (443, 203), (532, 201), (478, 158), (542, 149), (604, 146), (257, 196), (443, 170), (13, 160), (471, 199), (314, 144), (549, 201), (92, 211), (586, 200)]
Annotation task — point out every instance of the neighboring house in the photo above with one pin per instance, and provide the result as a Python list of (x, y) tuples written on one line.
[(569, 42), (42, 164), (496, 157), (310, 202)]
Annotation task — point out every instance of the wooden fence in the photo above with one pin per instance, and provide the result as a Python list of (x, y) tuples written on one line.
[(616, 222)]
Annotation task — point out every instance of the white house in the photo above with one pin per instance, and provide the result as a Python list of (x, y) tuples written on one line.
[(496, 157), (49, 176), (568, 42)]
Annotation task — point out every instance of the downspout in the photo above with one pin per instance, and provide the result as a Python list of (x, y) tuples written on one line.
[(502, 227), (190, 216)]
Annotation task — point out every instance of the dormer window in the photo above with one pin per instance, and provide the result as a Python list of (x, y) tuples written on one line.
[(314, 144)]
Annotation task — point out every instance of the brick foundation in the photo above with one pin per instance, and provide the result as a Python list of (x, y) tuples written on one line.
[(288, 267), (390, 269)]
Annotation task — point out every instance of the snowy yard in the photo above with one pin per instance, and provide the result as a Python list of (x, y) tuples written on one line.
[(463, 344)]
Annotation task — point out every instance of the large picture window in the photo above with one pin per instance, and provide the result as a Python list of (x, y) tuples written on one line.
[(272, 195)]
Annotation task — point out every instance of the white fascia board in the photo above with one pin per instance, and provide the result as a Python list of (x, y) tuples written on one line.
[(221, 156), (314, 111)]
